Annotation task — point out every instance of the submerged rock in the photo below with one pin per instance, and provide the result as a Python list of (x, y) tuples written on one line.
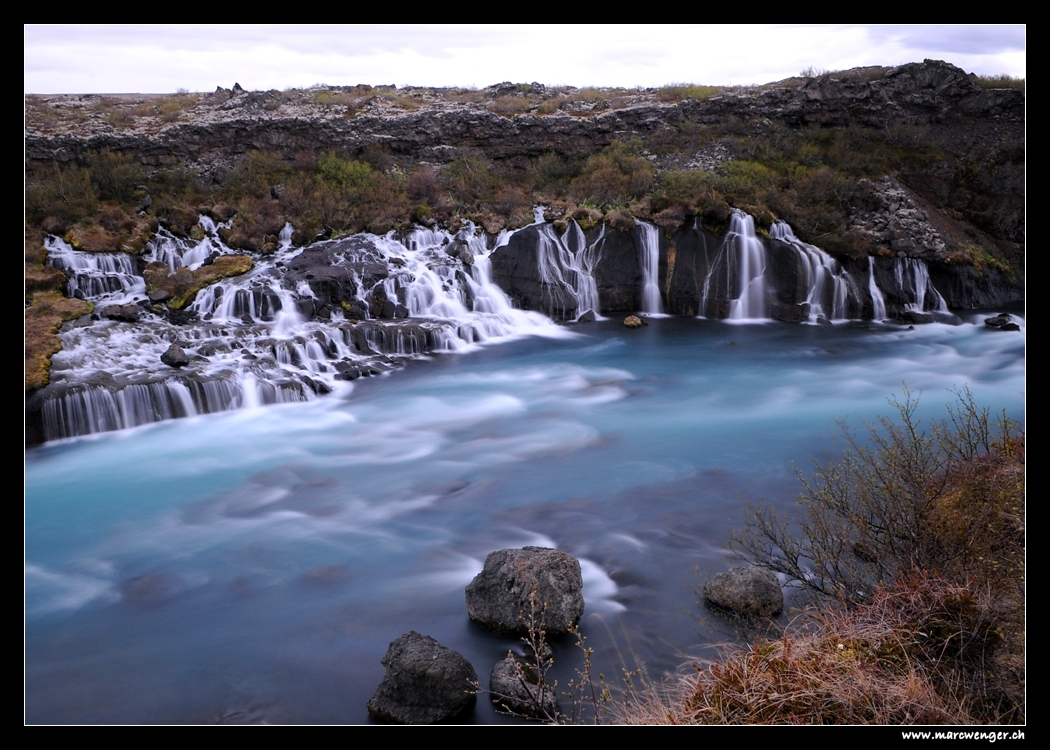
[(424, 683), (746, 590), (513, 685), (529, 585)]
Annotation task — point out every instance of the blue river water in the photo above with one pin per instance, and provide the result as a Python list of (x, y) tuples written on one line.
[(252, 566)]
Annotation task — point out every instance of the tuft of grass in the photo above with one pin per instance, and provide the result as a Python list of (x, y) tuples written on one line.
[(1002, 81), (677, 92)]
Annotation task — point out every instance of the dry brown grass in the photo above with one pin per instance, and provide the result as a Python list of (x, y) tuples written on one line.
[(907, 658)]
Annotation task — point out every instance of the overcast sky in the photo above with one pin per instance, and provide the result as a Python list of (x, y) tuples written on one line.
[(162, 59)]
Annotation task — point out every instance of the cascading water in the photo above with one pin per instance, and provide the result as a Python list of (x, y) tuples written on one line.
[(566, 267), (258, 340), (831, 290), (878, 302), (913, 280), (649, 251), (100, 277), (738, 273)]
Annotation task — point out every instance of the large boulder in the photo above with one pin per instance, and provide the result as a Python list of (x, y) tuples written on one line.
[(748, 590), (532, 585), (424, 683)]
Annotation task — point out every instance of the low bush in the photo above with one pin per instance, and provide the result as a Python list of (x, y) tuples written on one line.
[(914, 544), (888, 663), (939, 499), (1002, 81), (676, 92)]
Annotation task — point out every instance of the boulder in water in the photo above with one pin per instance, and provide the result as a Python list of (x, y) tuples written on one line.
[(746, 590), (424, 683), (513, 685), (174, 356), (528, 586)]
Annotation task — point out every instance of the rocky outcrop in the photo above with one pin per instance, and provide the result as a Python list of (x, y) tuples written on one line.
[(425, 683), (747, 590), (884, 213), (528, 587), (227, 124)]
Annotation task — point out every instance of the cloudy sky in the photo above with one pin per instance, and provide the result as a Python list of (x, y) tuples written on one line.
[(160, 59)]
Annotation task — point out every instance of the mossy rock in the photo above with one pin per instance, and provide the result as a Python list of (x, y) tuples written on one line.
[(45, 314), (182, 285)]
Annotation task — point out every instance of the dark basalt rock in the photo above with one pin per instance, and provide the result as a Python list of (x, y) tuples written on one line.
[(425, 682), (513, 688), (517, 585), (174, 356), (152, 589), (128, 313), (746, 590)]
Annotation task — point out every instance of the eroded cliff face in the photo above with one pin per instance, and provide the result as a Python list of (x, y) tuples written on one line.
[(428, 124), (734, 274)]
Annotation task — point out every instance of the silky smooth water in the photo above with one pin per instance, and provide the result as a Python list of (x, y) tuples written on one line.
[(254, 565)]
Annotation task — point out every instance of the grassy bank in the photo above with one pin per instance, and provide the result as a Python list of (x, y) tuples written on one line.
[(913, 548)]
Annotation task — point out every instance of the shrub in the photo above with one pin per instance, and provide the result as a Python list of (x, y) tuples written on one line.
[(616, 175), (920, 534), (944, 500), (115, 175), (64, 192)]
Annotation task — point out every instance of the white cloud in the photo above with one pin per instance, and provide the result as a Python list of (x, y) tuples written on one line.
[(158, 59)]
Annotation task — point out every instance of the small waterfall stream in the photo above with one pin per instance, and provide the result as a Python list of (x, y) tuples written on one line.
[(913, 279), (738, 271), (830, 288), (566, 266), (649, 250), (99, 277), (878, 302)]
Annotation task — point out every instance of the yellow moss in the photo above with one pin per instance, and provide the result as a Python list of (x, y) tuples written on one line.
[(45, 314), (183, 284)]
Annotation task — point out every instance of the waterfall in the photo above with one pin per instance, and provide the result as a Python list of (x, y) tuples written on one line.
[(750, 257), (913, 281), (100, 277), (878, 302), (258, 342), (649, 257), (737, 274), (177, 252), (830, 289), (566, 266)]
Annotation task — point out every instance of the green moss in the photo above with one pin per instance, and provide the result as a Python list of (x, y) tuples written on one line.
[(183, 284), (46, 313)]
